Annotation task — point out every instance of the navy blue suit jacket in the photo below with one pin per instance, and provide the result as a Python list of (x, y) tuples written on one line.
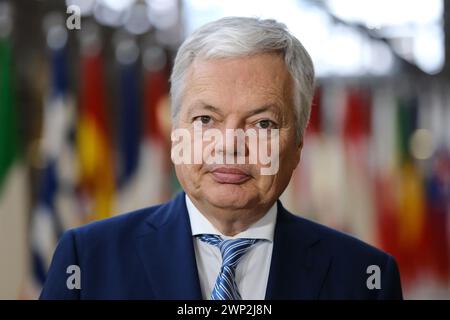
[(149, 254)]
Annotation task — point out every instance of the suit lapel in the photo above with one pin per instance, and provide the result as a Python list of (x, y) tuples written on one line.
[(167, 252), (298, 267)]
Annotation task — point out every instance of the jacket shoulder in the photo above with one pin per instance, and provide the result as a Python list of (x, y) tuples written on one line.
[(128, 221), (339, 243), (120, 229), (353, 262)]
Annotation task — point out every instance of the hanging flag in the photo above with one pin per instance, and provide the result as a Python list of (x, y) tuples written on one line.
[(9, 146), (437, 233), (356, 130), (297, 196), (48, 221), (434, 157), (94, 144), (321, 167), (410, 195), (13, 183), (357, 122), (129, 124), (384, 148), (315, 120), (129, 128), (155, 167)]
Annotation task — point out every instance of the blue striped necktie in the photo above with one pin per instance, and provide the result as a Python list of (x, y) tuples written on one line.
[(232, 251)]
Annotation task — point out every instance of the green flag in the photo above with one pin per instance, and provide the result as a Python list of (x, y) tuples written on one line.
[(8, 121), (13, 186)]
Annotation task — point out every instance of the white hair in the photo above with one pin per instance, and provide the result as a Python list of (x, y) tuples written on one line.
[(239, 36)]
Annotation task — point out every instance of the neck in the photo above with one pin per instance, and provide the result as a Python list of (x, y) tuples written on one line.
[(231, 221)]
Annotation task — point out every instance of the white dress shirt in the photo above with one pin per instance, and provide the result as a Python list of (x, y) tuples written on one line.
[(252, 272)]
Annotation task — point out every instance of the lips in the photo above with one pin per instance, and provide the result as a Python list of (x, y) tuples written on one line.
[(231, 175)]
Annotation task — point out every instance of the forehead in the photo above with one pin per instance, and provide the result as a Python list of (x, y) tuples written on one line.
[(255, 79)]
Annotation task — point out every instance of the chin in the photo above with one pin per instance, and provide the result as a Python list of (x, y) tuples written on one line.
[(229, 196)]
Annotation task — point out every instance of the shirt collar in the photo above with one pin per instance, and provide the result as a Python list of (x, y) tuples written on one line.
[(264, 228)]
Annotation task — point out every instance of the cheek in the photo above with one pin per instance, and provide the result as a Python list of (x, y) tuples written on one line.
[(270, 185), (188, 174), (266, 182), (287, 161)]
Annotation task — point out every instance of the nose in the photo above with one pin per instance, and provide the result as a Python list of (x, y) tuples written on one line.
[(234, 144)]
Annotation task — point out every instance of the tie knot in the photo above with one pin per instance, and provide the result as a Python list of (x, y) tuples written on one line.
[(232, 250)]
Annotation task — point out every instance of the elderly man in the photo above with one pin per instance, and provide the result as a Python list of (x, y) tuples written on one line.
[(239, 86)]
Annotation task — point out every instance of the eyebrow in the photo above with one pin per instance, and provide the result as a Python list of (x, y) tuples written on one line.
[(267, 107), (204, 106)]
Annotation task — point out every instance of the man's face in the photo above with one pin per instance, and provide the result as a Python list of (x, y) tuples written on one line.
[(244, 93)]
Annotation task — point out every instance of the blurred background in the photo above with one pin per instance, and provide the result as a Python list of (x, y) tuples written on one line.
[(84, 123)]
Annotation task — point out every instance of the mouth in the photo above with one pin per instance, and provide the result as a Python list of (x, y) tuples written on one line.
[(229, 175)]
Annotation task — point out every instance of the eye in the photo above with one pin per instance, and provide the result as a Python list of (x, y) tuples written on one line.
[(203, 119), (265, 124)]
